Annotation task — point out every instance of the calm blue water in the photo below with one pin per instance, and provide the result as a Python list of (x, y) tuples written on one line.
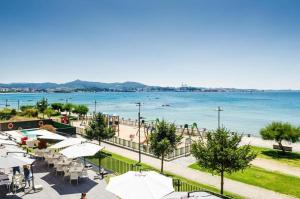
[(243, 112)]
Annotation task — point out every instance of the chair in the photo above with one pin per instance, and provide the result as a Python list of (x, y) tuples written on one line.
[(73, 176), (18, 182), (30, 143), (83, 174), (50, 161), (59, 168), (66, 172)]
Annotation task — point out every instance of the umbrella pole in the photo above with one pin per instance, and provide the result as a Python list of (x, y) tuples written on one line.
[(31, 168), (99, 163), (84, 161)]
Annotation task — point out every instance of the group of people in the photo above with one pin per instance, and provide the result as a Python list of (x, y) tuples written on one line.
[(27, 173)]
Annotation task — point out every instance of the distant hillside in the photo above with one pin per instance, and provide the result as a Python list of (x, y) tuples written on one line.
[(77, 84)]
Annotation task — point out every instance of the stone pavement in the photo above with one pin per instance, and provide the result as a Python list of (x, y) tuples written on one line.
[(54, 187)]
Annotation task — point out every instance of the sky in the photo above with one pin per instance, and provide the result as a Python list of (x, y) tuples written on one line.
[(212, 43)]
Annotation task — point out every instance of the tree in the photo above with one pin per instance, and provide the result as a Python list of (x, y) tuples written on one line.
[(42, 105), (49, 112), (57, 106), (98, 129), (163, 140), (81, 110), (68, 107), (280, 131), (221, 153)]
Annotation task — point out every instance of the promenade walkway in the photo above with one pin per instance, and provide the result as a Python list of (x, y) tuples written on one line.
[(239, 188)]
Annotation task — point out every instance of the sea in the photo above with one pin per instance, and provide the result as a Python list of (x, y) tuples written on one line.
[(243, 112)]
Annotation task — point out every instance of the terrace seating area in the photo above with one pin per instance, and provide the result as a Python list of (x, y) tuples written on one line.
[(54, 175), (73, 169)]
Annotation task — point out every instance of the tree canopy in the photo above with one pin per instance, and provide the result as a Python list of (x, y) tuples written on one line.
[(42, 105), (221, 152), (68, 107), (163, 140), (99, 129), (280, 131), (57, 106)]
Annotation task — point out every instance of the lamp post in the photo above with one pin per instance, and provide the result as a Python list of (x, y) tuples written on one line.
[(219, 116), (139, 128)]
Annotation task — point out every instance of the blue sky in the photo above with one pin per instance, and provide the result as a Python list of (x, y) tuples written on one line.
[(213, 43)]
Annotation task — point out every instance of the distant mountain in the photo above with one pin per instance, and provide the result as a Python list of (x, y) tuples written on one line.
[(77, 84), (45, 85)]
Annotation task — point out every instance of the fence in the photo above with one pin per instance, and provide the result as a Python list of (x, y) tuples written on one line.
[(119, 167), (179, 152)]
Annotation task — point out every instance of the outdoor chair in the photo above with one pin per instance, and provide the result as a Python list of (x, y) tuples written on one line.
[(83, 174), (66, 172), (18, 182), (30, 143), (59, 169), (50, 161), (73, 176)]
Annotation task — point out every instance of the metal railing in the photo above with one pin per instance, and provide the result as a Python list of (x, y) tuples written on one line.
[(145, 149)]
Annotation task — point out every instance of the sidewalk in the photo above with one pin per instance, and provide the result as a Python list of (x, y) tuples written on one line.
[(239, 188)]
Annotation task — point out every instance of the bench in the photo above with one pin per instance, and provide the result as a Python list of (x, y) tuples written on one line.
[(286, 148)]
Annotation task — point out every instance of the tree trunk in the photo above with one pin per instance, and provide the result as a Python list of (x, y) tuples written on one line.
[(162, 164), (222, 182), (281, 146)]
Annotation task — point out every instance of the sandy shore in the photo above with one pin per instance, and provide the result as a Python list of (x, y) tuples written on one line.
[(131, 133)]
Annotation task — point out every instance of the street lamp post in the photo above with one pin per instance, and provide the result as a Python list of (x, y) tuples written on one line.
[(219, 116), (139, 126)]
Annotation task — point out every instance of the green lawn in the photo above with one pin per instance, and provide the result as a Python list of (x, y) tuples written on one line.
[(290, 158), (148, 167), (275, 181)]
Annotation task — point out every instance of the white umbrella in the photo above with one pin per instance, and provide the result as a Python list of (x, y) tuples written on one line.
[(46, 135), (67, 142), (14, 161), (81, 150), (52, 136), (8, 142), (137, 185), (3, 137), (11, 148)]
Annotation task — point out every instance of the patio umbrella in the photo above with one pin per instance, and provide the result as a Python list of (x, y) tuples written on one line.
[(67, 142), (3, 137), (14, 161), (7, 142), (52, 136), (137, 185), (11, 149), (81, 150), (46, 135)]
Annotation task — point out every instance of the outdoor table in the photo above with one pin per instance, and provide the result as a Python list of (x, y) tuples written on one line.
[(64, 163), (76, 169)]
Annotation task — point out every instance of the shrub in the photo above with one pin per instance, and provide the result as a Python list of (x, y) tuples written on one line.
[(25, 107), (6, 113), (30, 112)]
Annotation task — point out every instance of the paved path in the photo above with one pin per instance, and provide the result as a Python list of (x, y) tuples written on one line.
[(239, 188)]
